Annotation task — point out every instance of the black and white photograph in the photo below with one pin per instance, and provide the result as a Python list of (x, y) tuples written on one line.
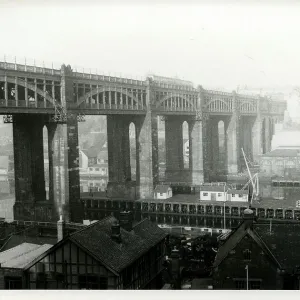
[(149, 145)]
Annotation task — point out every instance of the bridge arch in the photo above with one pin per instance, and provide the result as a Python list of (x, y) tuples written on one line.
[(169, 97), (247, 107), (105, 89), (217, 104), (29, 86)]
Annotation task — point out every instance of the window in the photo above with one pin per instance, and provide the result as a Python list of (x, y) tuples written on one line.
[(219, 194), (240, 285), (232, 195), (161, 194), (91, 169), (240, 195), (247, 254), (205, 194), (97, 169), (13, 283), (255, 285), (92, 282)]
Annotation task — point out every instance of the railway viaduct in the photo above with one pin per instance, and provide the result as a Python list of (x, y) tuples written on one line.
[(32, 98)]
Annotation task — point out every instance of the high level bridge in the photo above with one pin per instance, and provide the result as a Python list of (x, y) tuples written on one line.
[(33, 97)]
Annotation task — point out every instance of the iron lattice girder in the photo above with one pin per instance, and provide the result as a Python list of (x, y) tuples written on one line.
[(61, 115)]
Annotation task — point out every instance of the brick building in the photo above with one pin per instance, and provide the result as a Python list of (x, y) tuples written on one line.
[(281, 162), (103, 255), (269, 251)]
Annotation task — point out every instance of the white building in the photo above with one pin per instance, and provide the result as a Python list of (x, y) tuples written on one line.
[(220, 192), (163, 192)]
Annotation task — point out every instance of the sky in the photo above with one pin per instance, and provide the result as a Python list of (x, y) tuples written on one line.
[(214, 45)]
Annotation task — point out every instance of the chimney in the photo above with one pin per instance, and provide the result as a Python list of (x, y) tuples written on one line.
[(175, 268), (60, 229), (115, 233), (248, 217), (126, 220)]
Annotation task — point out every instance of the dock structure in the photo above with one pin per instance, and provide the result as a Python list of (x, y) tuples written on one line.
[(187, 210)]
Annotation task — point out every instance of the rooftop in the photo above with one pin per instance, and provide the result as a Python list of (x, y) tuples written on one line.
[(162, 188), (283, 152), (116, 255), (21, 255), (280, 241), (16, 239)]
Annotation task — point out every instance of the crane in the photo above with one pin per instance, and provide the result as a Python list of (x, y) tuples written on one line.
[(253, 180)]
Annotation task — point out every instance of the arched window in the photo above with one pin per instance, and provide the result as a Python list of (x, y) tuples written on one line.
[(247, 254)]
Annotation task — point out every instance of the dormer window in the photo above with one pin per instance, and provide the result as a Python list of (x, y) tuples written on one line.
[(247, 254)]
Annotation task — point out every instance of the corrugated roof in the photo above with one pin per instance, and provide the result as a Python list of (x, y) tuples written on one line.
[(243, 192), (16, 240), (20, 256), (96, 238), (282, 152)]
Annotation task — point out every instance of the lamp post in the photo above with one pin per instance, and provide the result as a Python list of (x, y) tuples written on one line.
[(247, 277), (224, 209)]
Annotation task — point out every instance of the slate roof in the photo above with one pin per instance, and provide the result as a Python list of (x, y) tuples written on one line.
[(236, 236), (161, 188), (283, 242), (21, 255), (96, 239)]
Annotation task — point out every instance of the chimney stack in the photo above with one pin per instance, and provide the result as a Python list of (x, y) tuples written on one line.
[(175, 268), (115, 233), (60, 229), (126, 220)]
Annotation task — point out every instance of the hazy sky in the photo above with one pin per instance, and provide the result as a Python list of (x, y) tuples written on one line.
[(212, 45)]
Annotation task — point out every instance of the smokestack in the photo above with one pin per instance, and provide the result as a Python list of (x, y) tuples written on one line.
[(126, 220), (248, 217), (60, 228), (115, 233)]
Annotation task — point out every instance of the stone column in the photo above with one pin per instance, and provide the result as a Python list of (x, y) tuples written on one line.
[(22, 160), (174, 148), (29, 165), (256, 139), (119, 168), (196, 151), (147, 148), (214, 147), (233, 147), (64, 183), (268, 136)]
